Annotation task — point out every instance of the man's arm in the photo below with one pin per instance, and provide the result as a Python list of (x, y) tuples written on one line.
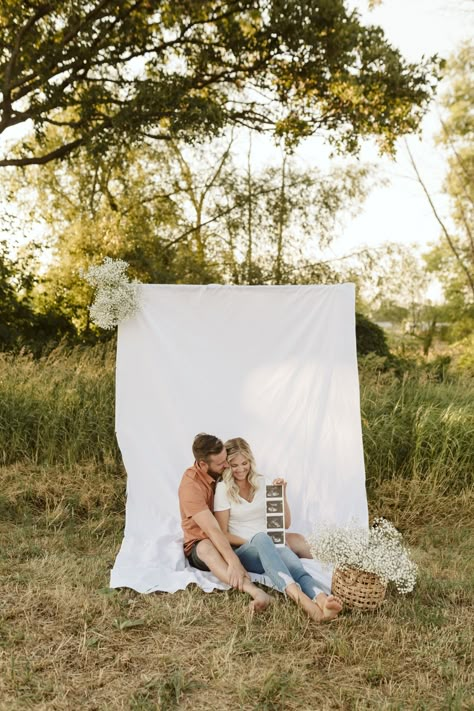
[(207, 522)]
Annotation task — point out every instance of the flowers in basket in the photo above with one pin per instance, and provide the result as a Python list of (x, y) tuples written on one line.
[(116, 297), (378, 551)]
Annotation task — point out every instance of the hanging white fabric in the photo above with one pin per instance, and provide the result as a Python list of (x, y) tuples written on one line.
[(276, 365)]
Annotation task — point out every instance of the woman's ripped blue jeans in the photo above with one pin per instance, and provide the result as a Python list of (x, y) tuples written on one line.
[(283, 567)]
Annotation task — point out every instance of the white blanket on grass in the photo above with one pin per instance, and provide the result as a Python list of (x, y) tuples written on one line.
[(273, 364)]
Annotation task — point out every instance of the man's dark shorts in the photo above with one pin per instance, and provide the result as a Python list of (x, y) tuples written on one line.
[(195, 560)]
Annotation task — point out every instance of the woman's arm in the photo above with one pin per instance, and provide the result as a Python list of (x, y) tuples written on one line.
[(287, 507), (223, 521)]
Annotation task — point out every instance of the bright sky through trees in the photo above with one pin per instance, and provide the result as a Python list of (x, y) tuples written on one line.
[(398, 211)]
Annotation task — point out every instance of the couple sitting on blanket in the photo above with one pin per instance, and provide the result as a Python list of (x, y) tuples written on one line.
[(225, 528)]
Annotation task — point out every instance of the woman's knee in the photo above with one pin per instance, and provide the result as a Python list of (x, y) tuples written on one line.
[(298, 545), (261, 539)]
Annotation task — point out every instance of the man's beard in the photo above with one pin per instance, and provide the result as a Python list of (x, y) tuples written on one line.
[(215, 475)]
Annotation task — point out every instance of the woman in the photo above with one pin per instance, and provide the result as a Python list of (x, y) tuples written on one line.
[(239, 507)]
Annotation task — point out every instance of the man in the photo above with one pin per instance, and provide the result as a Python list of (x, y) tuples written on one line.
[(205, 545)]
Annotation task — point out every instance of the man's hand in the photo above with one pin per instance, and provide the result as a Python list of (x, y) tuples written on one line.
[(237, 575)]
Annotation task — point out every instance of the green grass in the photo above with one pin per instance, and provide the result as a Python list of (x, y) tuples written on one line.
[(67, 641), (416, 427), (60, 410)]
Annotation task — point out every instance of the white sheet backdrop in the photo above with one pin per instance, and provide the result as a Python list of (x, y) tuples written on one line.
[(273, 364)]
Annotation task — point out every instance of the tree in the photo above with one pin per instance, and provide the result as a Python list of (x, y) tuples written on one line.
[(109, 71), (370, 338), (181, 214), (20, 323), (452, 259), (94, 207), (284, 215)]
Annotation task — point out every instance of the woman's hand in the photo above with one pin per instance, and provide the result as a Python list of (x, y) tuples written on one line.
[(282, 483)]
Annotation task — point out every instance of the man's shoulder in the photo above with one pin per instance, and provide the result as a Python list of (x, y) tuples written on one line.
[(190, 476)]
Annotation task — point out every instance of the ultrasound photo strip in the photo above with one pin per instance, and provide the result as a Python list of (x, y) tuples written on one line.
[(274, 506), (275, 513), (278, 537)]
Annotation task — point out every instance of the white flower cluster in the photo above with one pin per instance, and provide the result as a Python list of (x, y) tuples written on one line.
[(117, 297), (377, 550)]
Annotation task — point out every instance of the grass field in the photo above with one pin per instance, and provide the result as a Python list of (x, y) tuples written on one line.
[(60, 410), (69, 642)]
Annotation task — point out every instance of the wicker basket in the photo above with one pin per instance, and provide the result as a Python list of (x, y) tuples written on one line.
[(356, 588)]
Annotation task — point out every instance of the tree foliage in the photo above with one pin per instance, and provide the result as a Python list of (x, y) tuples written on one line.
[(21, 322), (182, 214), (370, 337), (119, 70), (453, 257)]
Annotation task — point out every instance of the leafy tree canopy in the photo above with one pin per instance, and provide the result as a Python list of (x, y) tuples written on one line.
[(110, 69), (181, 214), (452, 259)]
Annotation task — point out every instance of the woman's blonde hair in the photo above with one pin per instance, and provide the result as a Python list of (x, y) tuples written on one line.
[(234, 446)]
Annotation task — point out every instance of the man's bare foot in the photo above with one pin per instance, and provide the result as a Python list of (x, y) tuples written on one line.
[(260, 602)]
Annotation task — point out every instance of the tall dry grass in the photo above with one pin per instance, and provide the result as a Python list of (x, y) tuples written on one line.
[(60, 410), (67, 641)]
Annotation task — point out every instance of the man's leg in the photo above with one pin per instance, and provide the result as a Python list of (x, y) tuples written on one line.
[(217, 565)]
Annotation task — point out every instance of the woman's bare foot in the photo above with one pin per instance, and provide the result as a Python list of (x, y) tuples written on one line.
[(330, 605), (311, 608), (260, 601)]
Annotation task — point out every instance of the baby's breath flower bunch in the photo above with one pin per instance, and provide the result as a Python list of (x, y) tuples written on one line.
[(116, 297), (377, 550)]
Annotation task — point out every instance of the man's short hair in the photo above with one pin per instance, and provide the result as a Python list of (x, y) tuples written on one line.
[(204, 445)]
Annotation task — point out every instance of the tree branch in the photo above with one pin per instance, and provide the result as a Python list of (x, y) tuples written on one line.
[(7, 102), (60, 152), (448, 237)]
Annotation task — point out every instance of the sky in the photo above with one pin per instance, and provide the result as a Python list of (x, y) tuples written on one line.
[(416, 27), (397, 211)]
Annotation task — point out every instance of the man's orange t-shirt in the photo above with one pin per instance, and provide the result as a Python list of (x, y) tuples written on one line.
[(196, 494)]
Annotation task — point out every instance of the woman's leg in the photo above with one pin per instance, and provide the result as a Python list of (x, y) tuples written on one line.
[(306, 582), (330, 605), (261, 555), (256, 559), (217, 565)]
